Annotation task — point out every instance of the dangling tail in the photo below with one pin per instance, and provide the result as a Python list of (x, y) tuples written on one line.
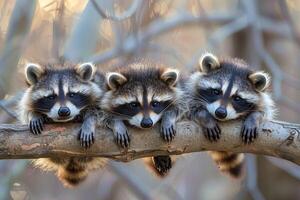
[(160, 165), (73, 173), (70, 171), (229, 163)]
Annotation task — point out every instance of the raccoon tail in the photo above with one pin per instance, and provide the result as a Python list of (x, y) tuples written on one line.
[(229, 163), (160, 165), (73, 173)]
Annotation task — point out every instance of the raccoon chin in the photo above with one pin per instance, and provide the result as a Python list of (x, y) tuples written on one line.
[(68, 119)]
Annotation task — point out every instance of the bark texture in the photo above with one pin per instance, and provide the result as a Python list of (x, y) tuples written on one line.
[(279, 139)]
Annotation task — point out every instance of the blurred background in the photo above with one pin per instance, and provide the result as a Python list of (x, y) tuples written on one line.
[(265, 33)]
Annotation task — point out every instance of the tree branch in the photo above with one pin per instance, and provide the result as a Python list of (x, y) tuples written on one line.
[(279, 139)]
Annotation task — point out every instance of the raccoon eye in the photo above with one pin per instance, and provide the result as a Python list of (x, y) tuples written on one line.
[(237, 98), (134, 104), (51, 97), (216, 92), (155, 104), (71, 94)]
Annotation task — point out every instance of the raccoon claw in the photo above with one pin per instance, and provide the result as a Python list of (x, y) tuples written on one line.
[(86, 138), (162, 164), (123, 139), (249, 133), (212, 134), (36, 126), (168, 133)]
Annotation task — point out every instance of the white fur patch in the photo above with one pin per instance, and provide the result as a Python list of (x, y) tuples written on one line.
[(23, 106), (231, 113), (83, 89), (212, 107), (225, 86), (234, 89), (155, 117), (97, 91), (55, 89), (163, 97), (203, 83), (53, 114), (122, 100), (268, 106), (38, 94), (136, 120), (249, 97)]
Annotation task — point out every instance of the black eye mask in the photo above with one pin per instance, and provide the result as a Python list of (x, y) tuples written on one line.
[(128, 109), (45, 104), (79, 100), (159, 106), (241, 105), (209, 95)]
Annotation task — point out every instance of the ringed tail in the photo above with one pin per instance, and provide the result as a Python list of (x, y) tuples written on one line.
[(229, 163), (72, 174)]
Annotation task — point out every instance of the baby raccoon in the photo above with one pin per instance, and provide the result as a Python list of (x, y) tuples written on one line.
[(224, 90), (60, 93), (142, 94)]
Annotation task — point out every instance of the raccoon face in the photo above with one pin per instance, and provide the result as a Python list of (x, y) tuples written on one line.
[(141, 95), (229, 89), (61, 94)]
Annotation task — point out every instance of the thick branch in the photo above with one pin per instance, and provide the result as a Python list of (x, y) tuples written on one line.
[(278, 139)]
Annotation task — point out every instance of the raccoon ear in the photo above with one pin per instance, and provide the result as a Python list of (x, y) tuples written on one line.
[(86, 71), (260, 80), (170, 76), (208, 62), (33, 72), (114, 80)]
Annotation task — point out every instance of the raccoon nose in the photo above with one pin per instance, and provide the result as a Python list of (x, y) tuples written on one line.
[(146, 123), (221, 112), (64, 112)]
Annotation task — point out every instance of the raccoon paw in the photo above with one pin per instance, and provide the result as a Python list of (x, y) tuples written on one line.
[(86, 137), (212, 133), (122, 138), (36, 125), (168, 132), (249, 132), (162, 164)]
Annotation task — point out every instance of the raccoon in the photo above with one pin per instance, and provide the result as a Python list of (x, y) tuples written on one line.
[(224, 90), (142, 94), (62, 93)]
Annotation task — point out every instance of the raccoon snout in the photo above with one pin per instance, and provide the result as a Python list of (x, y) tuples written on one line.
[(146, 122), (64, 112), (221, 112)]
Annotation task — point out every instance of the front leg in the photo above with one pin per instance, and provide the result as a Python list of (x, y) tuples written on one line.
[(209, 125), (36, 123), (120, 132), (168, 125), (250, 127), (87, 131)]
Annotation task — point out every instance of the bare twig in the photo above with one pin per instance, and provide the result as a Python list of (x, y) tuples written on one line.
[(85, 35), (8, 111), (286, 14), (251, 180), (132, 44), (127, 14), (143, 189), (290, 168), (19, 27)]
